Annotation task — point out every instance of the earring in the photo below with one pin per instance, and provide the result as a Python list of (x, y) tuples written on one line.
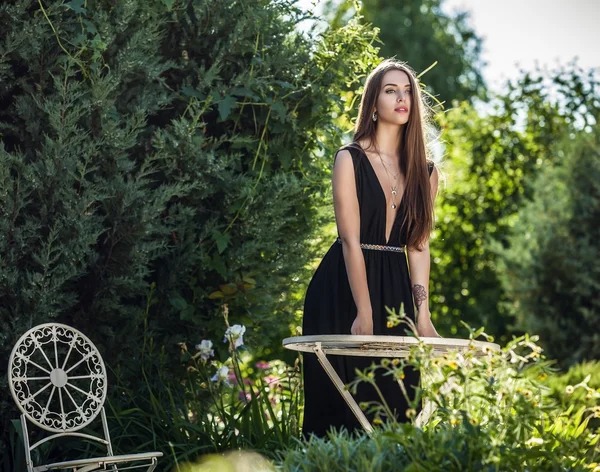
[(375, 116)]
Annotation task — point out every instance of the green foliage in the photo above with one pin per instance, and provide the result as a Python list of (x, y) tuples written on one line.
[(230, 462), (14, 458), (565, 390), (421, 33), (244, 408), (484, 410), (490, 168), (551, 270), (162, 144), (340, 451)]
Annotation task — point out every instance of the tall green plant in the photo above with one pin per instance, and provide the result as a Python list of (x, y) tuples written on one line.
[(551, 270), (485, 410), (490, 168), (224, 404)]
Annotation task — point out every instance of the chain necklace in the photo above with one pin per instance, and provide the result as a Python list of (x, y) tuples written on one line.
[(394, 187)]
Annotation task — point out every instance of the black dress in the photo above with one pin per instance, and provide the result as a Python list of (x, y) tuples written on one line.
[(329, 308)]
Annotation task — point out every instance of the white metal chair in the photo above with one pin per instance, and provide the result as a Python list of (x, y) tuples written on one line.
[(58, 380)]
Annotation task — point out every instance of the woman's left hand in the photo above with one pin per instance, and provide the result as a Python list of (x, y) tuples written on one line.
[(425, 326)]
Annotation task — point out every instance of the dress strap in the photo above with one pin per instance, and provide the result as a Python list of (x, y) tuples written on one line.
[(377, 247)]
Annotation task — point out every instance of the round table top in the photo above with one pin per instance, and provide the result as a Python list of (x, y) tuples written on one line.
[(381, 345)]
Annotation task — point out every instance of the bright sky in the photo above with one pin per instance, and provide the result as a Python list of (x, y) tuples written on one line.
[(550, 32), (522, 32)]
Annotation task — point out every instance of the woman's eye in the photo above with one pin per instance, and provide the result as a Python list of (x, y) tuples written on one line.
[(409, 91), (389, 90)]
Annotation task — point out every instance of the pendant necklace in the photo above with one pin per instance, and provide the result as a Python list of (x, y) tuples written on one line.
[(394, 187)]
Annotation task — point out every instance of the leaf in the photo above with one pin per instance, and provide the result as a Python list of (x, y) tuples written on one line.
[(187, 314), (222, 240), (168, 4), (191, 92), (79, 39), (581, 427), (225, 107), (284, 84), (219, 265), (90, 27), (76, 6), (244, 92), (178, 302), (228, 289), (279, 108), (285, 159), (215, 295)]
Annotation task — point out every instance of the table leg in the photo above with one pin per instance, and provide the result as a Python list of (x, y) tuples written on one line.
[(429, 406), (335, 378)]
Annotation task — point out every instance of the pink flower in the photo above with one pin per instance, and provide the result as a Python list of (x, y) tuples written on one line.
[(244, 397), (271, 380), (263, 365), (232, 378)]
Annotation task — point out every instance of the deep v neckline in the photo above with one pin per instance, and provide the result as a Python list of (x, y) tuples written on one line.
[(385, 237)]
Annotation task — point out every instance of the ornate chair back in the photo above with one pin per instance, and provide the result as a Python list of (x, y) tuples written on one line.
[(57, 378)]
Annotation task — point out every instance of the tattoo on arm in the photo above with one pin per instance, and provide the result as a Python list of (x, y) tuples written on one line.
[(419, 294)]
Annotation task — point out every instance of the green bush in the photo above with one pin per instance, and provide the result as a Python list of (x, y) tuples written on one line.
[(551, 271), (340, 451), (490, 413), (245, 406), (162, 144), (491, 166), (564, 387)]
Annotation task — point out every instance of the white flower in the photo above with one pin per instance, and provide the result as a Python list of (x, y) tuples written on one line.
[(235, 335), (221, 375), (534, 442), (205, 348)]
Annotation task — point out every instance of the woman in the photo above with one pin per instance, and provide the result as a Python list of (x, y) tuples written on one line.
[(383, 192)]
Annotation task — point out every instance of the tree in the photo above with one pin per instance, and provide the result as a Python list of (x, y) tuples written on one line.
[(551, 270), (421, 33), (490, 168)]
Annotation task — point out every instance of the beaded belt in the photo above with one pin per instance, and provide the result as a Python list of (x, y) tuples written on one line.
[(378, 247)]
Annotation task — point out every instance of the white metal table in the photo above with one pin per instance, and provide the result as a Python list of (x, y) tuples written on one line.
[(373, 346)]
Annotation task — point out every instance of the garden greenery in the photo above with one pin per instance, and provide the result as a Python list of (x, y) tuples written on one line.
[(165, 147)]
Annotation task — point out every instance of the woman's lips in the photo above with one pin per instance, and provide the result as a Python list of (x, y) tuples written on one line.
[(401, 110)]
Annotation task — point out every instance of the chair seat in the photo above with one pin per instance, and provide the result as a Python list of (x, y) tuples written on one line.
[(99, 461)]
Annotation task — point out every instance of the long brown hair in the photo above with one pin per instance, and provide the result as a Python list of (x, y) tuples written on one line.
[(418, 215)]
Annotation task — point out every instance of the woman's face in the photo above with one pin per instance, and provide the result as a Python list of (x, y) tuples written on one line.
[(395, 98)]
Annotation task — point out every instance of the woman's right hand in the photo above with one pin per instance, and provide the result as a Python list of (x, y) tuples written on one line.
[(363, 324)]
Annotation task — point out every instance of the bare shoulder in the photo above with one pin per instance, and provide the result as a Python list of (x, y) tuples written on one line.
[(343, 159), (343, 169)]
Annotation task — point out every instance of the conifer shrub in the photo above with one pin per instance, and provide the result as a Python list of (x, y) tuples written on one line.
[(179, 149)]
